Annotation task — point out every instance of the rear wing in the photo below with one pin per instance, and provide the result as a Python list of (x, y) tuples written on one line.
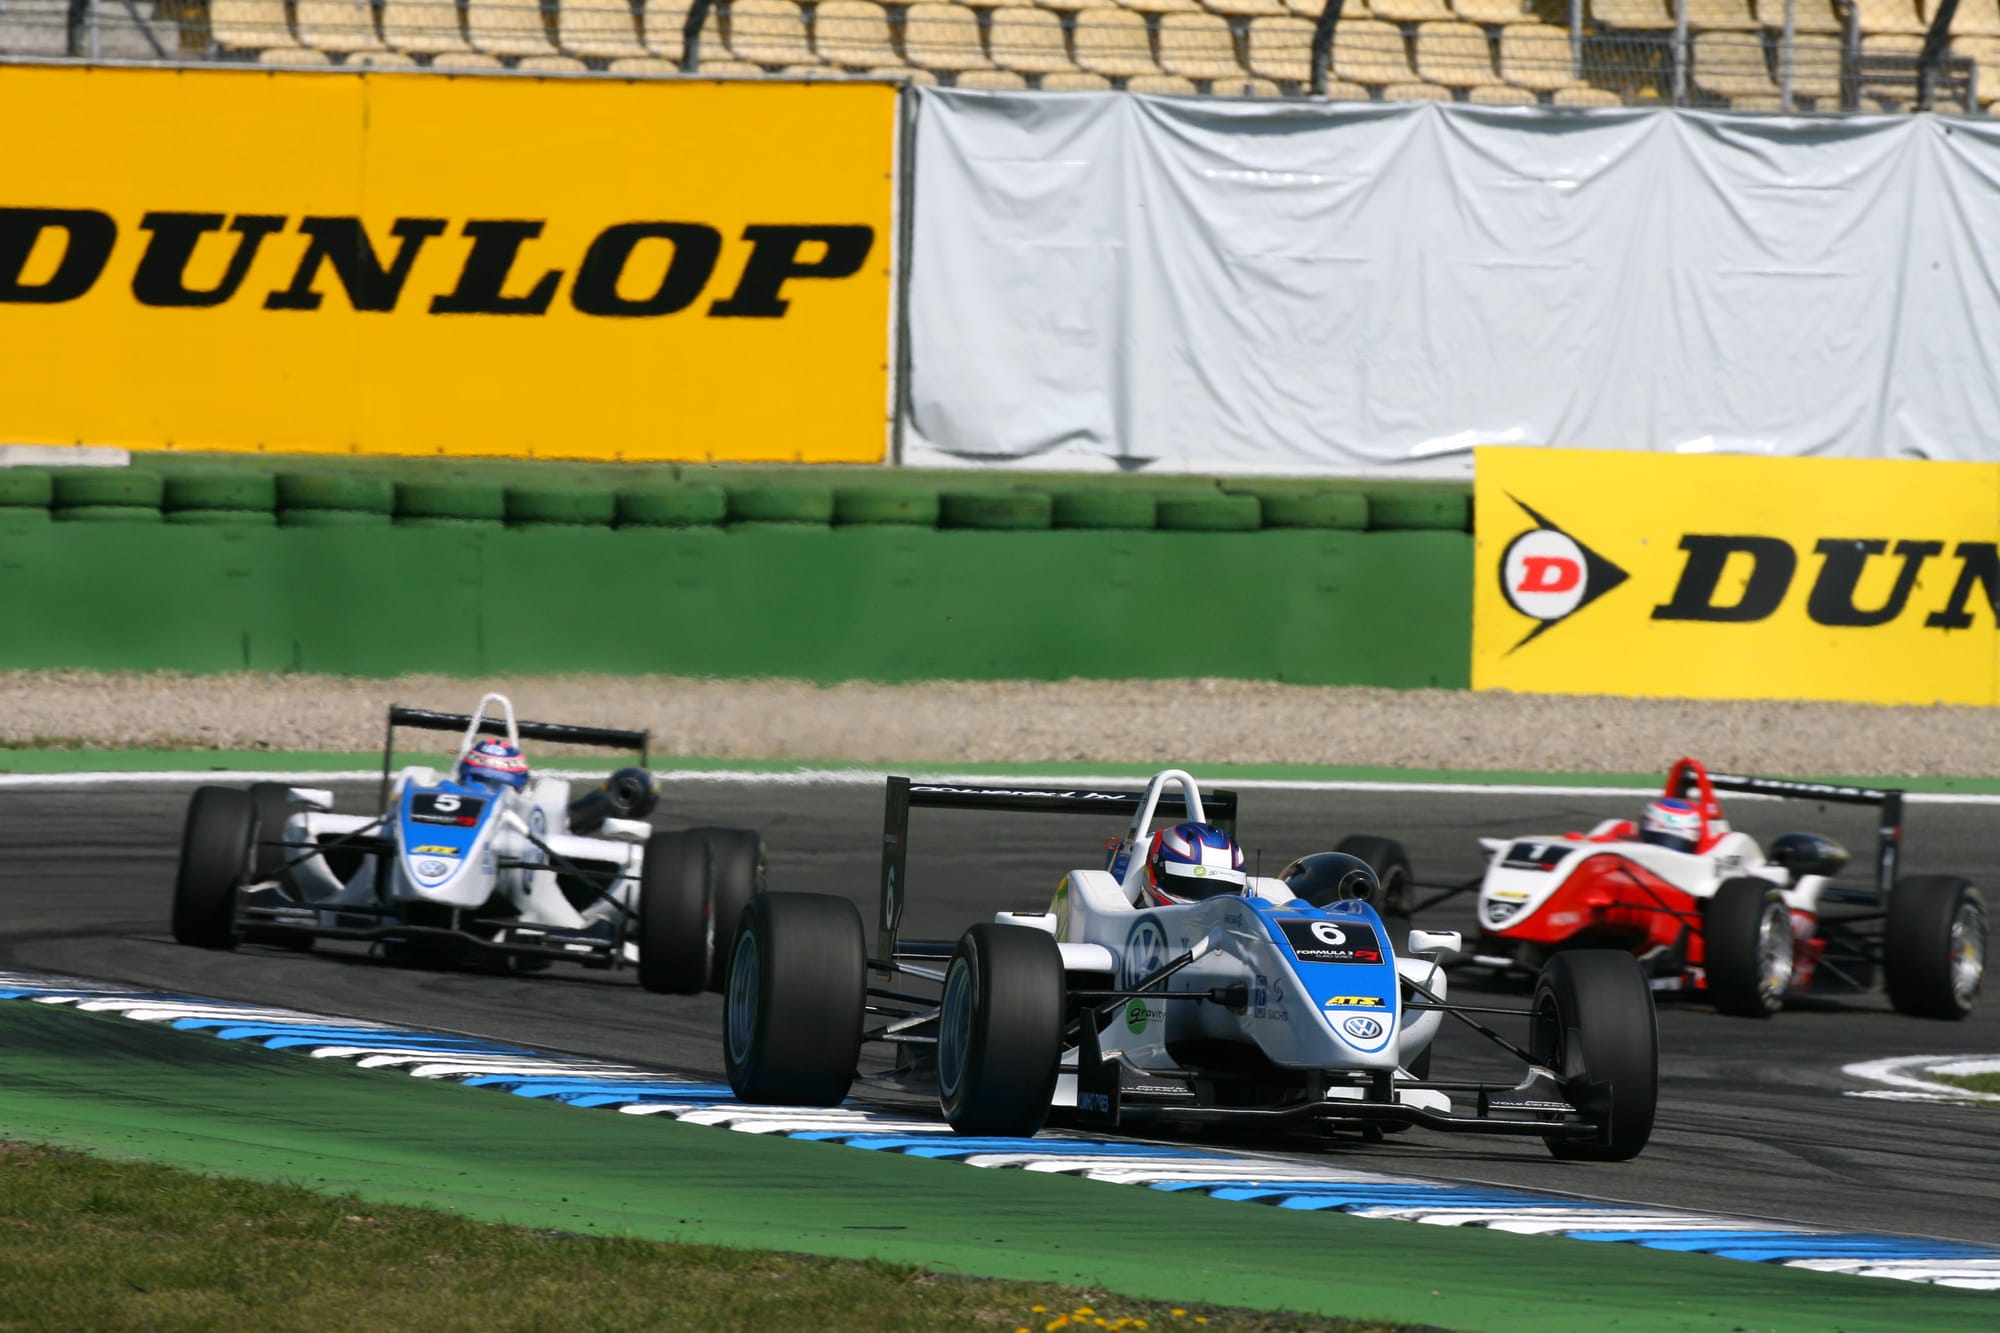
[(1888, 799), (904, 794), (424, 719)]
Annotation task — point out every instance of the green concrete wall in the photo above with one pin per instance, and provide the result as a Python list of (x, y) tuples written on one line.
[(820, 603)]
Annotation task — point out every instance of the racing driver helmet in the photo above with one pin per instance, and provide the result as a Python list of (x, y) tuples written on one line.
[(1331, 877), (1190, 862), (1671, 822), (494, 763)]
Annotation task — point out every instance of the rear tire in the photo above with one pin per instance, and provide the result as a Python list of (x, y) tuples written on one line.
[(1747, 943), (215, 855), (1391, 864), (798, 978), (1592, 1023), (693, 887), (1000, 1030), (1934, 946)]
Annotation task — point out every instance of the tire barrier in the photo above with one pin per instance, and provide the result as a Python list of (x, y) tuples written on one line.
[(1211, 513), (905, 505), (672, 506), (1430, 509), (334, 500), (458, 503), (995, 511), (780, 504), (553, 506), (106, 495), (1314, 509), (1105, 507)]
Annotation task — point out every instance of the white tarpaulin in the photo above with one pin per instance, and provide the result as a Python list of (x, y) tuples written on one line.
[(1111, 279)]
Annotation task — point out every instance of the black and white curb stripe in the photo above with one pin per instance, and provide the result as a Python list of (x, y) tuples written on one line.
[(1903, 1079), (1277, 1181)]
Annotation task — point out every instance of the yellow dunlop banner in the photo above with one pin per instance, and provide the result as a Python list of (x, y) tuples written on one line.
[(1719, 577), (415, 264)]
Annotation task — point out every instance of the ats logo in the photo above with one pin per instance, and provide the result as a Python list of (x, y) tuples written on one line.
[(1548, 575)]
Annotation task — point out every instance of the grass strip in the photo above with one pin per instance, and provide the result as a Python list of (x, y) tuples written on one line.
[(139, 1091), (1971, 1082), (86, 1243)]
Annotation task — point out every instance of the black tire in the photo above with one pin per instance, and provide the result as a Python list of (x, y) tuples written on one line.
[(1000, 1030), (1592, 1023), (1209, 511), (996, 511), (1391, 864), (798, 977), (693, 887), (1934, 946), (215, 854), (1747, 939)]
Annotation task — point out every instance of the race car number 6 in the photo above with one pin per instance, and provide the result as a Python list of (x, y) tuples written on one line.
[(1328, 933)]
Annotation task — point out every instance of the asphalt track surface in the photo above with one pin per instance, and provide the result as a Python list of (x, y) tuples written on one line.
[(1752, 1118)]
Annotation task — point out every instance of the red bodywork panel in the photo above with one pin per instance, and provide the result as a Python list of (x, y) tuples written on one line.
[(1609, 895)]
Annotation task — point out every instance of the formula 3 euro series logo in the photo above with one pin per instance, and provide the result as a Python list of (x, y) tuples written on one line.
[(1547, 575)]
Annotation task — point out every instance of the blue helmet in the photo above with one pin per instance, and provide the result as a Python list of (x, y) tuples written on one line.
[(494, 763), (1189, 862)]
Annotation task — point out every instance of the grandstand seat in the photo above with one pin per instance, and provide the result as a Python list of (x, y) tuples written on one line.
[(598, 29), (1731, 65), (293, 55), (466, 60), (552, 65), (1311, 9), (1160, 6), (1900, 88), (1075, 81), (1634, 15), (1538, 57), (338, 25), (945, 37), (663, 30), (994, 80), (34, 27), (1071, 6), (508, 27), (1415, 92), (1410, 11), (769, 32), (1495, 13), (1114, 43), (1816, 62), (1985, 53), (1583, 96), (1162, 85), (1455, 55), (1815, 16), (1248, 9), (1026, 39), (1721, 16), (1888, 17), (1973, 18), (249, 25), (917, 76), (1500, 94), (854, 34), (380, 60), (1248, 87), (1280, 49), (642, 66), (422, 27), (1757, 102), (727, 65), (1198, 46), (1371, 52)]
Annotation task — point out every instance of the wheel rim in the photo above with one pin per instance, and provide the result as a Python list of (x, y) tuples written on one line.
[(1774, 954), (1968, 953), (745, 971), (954, 1028), (1546, 1038)]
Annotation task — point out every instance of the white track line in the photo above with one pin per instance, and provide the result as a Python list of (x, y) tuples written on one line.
[(868, 777), (1905, 1086)]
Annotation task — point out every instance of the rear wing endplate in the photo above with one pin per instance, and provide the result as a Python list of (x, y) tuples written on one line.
[(424, 719), (1888, 799), (905, 794)]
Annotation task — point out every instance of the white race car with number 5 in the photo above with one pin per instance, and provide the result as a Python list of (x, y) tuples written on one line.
[(1168, 986), (481, 861)]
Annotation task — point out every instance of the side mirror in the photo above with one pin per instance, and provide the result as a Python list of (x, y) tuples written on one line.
[(1807, 854), (312, 798), (1436, 941)]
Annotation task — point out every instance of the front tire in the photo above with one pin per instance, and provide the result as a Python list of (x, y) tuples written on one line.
[(1934, 946), (1747, 941), (215, 855), (1391, 864), (693, 887), (1592, 1023), (268, 858), (798, 979), (1000, 1031)]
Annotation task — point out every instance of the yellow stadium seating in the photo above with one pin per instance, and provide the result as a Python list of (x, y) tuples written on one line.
[(1899, 89), (249, 25), (1280, 49), (1973, 18), (1075, 81), (1026, 39), (1732, 66), (1583, 96), (663, 29), (1500, 94), (422, 27), (1161, 6), (1538, 57), (1415, 92), (598, 29), (338, 25), (1162, 85), (1889, 17), (1985, 53), (854, 34), (1816, 69), (293, 55), (380, 60), (467, 60), (1455, 55), (507, 28), (1721, 16), (1114, 43), (552, 65), (1634, 15), (643, 66), (1003, 80), (943, 37), (1807, 16), (1371, 52), (769, 32), (1248, 9), (1411, 11), (1495, 13), (1198, 46)]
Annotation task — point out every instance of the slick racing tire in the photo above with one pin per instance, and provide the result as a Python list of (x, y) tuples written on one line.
[(1747, 936), (1592, 1023), (1000, 1030), (693, 888), (215, 855), (1391, 864), (1934, 946), (792, 1012)]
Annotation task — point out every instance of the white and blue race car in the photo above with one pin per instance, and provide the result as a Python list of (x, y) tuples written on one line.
[(450, 870), (1253, 1007)]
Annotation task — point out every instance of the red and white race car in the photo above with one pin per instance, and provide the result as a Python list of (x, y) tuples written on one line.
[(1709, 911)]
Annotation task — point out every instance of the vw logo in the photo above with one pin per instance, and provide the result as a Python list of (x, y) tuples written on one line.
[(433, 869), (1328, 933), (1362, 1029), (1145, 952)]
